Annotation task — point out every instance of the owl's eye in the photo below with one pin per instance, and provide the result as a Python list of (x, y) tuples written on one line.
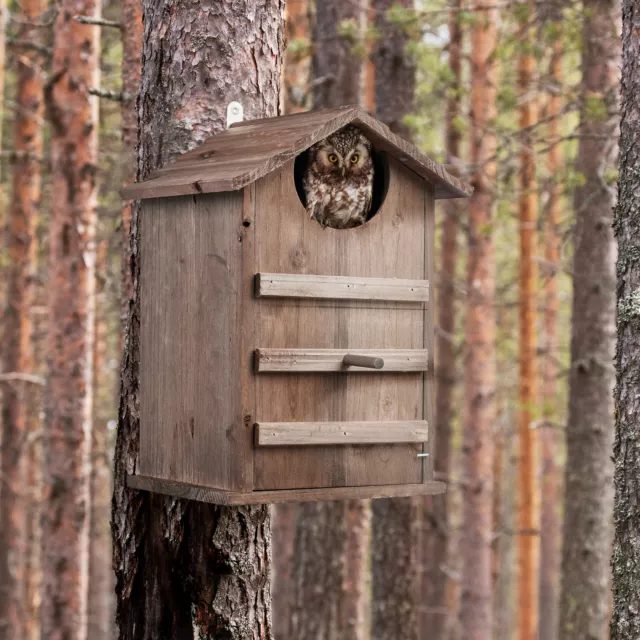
[(333, 158), (354, 158)]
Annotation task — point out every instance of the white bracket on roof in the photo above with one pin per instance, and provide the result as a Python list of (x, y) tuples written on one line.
[(234, 113)]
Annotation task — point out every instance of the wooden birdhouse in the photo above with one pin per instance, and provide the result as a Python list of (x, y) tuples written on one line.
[(280, 360)]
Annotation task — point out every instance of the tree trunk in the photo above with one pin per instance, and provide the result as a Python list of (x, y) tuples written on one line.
[(550, 529), (101, 583), (584, 608), (528, 505), (441, 595), (480, 366), (332, 538), (625, 624), (189, 570), (284, 535), (337, 66), (17, 351), (297, 61), (395, 523), (131, 70), (67, 439)]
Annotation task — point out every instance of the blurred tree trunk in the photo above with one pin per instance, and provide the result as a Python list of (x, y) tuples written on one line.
[(17, 423), (336, 65), (550, 530), (131, 69), (297, 60), (625, 623), (284, 534), (395, 523), (67, 438), (101, 579), (185, 569), (480, 365), (441, 595), (528, 504), (332, 538), (584, 605)]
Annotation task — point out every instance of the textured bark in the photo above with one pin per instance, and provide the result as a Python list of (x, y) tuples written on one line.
[(528, 504), (479, 406), (395, 523), (625, 623), (189, 570), (131, 69), (297, 61), (284, 535), (395, 68), (337, 65), (17, 331), (550, 524), (396, 575), (101, 579), (67, 431), (584, 605), (441, 595)]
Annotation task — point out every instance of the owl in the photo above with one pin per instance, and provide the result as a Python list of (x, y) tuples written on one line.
[(338, 181)]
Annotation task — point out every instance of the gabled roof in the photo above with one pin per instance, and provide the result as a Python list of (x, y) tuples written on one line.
[(250, 150)]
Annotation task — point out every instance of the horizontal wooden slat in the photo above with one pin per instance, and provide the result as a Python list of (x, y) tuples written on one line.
[(294, 285), (215, 496), (276, 434), (309, 360)]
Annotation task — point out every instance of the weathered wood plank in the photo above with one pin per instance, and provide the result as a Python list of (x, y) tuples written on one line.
[(215, 496), (310, 360), (191, 423), (299, 285), (276, 434)]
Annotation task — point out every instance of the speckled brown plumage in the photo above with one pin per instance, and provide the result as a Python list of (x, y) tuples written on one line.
[(338, 181)]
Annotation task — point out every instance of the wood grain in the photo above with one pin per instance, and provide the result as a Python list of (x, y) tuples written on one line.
[(390, 245), (302, 285), (190, 407), (339, 433), (251, 150), (207, 494), (309, 360)]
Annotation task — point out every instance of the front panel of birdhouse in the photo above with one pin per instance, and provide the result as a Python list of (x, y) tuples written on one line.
[(321, 423)]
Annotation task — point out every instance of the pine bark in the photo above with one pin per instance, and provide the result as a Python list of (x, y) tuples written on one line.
[(550, 524), (625, 624), (584, 605), (101, 579), (528, 505), (131, 70), (336, 65), (480, 366), (332, 539), (189, 570), (15, 453), (67, 431), (297, 61), (395, 523), (441, 595), (395, 70)]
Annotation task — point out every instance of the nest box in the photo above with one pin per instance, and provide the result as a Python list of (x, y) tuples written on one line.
[(280, 361)]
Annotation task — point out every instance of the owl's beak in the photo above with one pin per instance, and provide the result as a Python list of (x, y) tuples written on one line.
[(343, 170)]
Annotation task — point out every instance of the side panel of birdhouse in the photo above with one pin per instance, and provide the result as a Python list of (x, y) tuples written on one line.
[(390, 246), (190, 302)]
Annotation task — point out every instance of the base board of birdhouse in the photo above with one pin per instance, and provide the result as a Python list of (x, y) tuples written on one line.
[(215, 496)]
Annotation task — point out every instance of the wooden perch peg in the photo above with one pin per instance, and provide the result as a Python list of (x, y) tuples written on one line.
[(370, 362)]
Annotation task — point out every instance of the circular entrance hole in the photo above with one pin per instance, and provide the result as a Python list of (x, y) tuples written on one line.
[(380, 180)]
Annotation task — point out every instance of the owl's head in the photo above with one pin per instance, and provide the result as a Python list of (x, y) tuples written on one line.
[(345, 153)]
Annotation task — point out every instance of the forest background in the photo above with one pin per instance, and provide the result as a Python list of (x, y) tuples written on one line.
[(518, 98)]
